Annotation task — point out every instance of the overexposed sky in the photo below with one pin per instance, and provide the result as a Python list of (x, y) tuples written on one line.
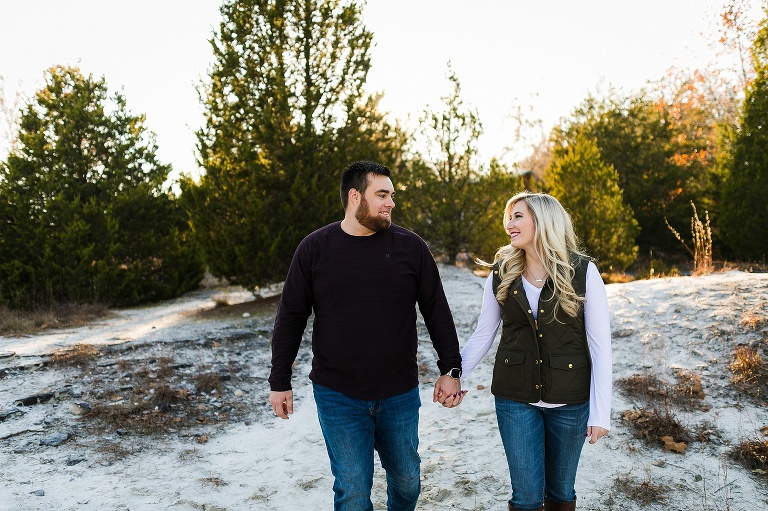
[(547, 54)]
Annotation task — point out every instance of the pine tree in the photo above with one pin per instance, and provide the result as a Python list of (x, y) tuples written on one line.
[(745, 201), (85, 217), (589, 190), (285, 113)]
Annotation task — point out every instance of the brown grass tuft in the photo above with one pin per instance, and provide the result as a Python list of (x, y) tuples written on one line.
[(164, 396), (138, 419), (643, 492), (752, 320), (750, 374), (651, 426), (649, 388), (166, 369), (206, 383), (643, 386), (753, 455), (78, 355), (688, 391)]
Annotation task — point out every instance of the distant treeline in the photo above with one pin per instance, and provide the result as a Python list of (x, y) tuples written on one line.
[(87, 213)]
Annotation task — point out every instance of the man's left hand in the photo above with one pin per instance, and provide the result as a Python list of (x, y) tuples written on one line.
[(448, 391)]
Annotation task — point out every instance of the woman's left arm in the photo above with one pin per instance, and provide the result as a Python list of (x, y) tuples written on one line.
[(598, 326)]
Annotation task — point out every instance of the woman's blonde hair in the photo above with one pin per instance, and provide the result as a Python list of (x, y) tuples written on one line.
[(554, 242)]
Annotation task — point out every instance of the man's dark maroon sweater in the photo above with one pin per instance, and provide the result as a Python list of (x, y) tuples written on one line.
[(364, 291)]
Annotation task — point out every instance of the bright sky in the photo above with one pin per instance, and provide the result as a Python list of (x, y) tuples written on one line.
[(547, 54)]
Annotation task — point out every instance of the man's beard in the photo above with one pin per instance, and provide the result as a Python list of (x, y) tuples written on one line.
[(373, 222)]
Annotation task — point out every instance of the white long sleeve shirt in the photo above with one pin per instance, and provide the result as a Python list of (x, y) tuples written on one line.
[(598, 326)]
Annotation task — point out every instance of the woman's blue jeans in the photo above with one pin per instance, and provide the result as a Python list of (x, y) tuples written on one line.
[(353, 428), (543, 446)]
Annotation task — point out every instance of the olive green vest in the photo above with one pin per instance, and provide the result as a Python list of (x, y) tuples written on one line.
[(546, 360)]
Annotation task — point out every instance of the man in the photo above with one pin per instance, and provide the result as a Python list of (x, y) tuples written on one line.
[(363, 277)]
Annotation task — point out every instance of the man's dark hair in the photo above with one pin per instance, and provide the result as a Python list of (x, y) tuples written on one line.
[(356, 176)]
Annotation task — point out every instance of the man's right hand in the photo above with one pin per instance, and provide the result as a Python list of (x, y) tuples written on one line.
[(282, 403)]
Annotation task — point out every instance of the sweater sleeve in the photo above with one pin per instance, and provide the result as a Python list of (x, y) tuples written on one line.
[(436, 312), (487, 325), (598, 326), (293, 310)]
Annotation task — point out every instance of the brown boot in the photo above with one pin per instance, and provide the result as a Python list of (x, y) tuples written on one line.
[(550, 505), (510, 508)]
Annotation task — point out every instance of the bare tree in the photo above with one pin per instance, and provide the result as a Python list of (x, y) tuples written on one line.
[(736, 31), (9, 118)]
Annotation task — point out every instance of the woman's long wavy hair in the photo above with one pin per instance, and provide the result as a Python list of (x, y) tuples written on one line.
[(554, 242)]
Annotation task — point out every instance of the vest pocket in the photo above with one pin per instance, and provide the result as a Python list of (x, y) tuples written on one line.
[(569, 374), (508, 371)]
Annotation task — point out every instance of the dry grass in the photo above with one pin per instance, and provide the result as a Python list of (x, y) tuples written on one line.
[(687, 391), (212, 481), (206, 383), (617, 278), (750, 374), (753, 455), (651, 425), (646, 387), (701, 233), (166, 369), (116, 451), (138, 419), (157, 401), (21, 322), (643, 492), (78, 355), (753, 320), (747, 364)]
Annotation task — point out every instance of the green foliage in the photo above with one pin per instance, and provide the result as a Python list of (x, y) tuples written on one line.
[(588, 188), (85, 218), (662, 150), (443, 195), (745, 201), (285, 113)]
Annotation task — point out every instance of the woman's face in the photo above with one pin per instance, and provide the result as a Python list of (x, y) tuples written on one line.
[(521, 227)]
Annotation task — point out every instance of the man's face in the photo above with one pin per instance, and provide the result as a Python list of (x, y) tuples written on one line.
[(376, 204)]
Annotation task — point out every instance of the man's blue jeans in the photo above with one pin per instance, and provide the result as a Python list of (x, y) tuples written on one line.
[(353, 428), (543, 446)]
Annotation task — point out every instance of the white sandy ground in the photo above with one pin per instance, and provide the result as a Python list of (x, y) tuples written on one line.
[(659, 326)]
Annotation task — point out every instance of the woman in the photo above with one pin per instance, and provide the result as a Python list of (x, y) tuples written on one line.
[(552, 375)]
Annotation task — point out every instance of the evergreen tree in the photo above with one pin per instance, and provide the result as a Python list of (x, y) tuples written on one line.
[(84, 214), (589, 189), (745, 201), (285, 113), (444, 194)]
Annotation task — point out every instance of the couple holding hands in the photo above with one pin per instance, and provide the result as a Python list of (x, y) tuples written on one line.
[(362, 278)]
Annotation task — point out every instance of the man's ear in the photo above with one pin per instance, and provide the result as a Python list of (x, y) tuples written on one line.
[(353, 196)]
